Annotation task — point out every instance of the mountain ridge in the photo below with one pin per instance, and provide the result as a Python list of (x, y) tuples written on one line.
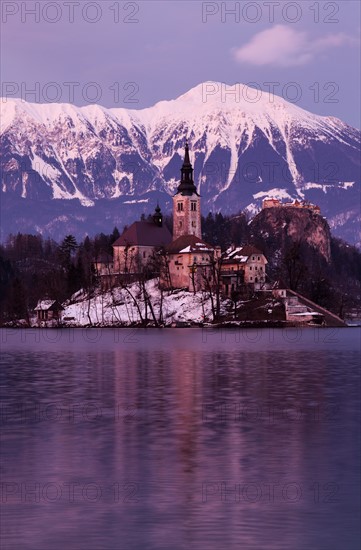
[(241, 152)]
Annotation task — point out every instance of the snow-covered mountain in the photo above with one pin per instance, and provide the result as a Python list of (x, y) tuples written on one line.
[(65, 168)]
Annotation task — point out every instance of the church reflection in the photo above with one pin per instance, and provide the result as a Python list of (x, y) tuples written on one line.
[(185, 442)]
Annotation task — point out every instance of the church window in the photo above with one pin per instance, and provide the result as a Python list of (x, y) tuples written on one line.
[(180, 207), (193, 224), (193, 206), (180, 224)]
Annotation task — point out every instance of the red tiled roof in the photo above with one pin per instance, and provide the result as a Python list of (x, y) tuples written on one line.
[(144, 234), (188, 243), (248, 249)]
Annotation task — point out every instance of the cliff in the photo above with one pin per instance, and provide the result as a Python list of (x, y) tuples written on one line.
[(277, 228)]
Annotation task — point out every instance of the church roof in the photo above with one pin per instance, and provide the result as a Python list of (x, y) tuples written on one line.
[(144, 233), (188, 244)]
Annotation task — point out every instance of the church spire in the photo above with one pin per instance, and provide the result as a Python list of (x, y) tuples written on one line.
[(186, 186), (186, 161)]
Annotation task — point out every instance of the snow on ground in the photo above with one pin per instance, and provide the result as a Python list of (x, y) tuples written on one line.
[(118, 307)]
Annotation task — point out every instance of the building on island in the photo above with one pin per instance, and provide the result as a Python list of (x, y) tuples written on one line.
[(184, 260), (48, 310), (137, 243), (132, 250), (187, 203), (103, 264), (189, 259), (243, 265)]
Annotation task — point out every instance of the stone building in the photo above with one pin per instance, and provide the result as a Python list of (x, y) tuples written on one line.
[(186, 203), (271, 202), (243, 265), (103, 264), (189, 263), (188, 257), (137, 243), (186, 261)]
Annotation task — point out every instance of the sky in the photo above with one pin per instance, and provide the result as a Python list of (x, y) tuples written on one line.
[(134, 54)]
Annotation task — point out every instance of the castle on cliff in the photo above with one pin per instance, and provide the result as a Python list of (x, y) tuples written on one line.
[(271, 202)]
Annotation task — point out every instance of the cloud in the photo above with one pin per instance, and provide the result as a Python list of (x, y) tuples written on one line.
[(283, 46)]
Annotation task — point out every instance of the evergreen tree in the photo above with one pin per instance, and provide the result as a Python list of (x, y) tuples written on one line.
[(67, 249), (17, 305), (115, 235)]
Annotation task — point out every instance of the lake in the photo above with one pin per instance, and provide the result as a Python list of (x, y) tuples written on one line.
[(180, 439)]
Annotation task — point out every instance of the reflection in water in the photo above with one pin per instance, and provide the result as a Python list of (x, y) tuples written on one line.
[(180, 439)]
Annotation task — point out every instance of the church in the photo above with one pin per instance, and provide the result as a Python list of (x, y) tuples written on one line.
[(135, 246), (187, 203), (188, 256), (186, 261)]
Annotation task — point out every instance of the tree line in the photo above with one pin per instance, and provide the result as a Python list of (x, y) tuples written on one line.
[(33, 267)]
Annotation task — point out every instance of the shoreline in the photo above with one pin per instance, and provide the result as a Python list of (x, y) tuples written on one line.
[(177, 325)]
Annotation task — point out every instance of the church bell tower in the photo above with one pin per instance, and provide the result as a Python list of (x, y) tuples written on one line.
[(186, 203)]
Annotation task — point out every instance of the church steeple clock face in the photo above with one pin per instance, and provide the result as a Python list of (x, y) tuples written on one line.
[(186, 203)]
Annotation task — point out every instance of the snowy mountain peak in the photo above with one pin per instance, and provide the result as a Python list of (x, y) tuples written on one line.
[(239, 99), (205, 98), (245, 144), (234, 96)]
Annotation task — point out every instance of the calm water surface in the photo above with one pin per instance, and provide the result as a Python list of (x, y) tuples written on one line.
[(180, 439)]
